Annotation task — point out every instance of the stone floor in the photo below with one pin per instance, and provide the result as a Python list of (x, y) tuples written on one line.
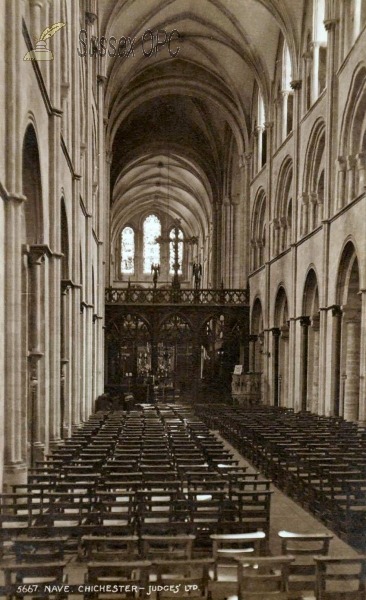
[(285, 514)]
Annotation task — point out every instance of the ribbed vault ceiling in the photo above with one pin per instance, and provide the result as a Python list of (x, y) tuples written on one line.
[(172, 122)]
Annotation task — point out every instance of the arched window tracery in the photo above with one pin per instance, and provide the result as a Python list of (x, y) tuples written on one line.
[(151, 248), (127, 251)]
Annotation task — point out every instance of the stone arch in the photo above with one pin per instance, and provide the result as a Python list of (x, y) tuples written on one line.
[(348, 336), (313, 179), (310, 340), (258, 237), (283, 200), (280, 349), (352, 148), (32, 300), (256, 339)]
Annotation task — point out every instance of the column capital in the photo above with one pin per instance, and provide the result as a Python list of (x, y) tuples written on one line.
[(37, 253), (39, 3), (101, 79), (245, 160), (304, 321), (276, 331), (90, 18), (296, 84), (34, 357), (330, 24), (313, 197), (268, 125), (336, 310), (15, 198), (361, 159), (342, 163), (226, 201), (304, 197)]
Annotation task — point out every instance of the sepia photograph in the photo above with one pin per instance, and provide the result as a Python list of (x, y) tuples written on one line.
[(183, 299)]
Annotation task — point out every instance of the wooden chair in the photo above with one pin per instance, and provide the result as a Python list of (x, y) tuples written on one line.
[(167, 546), (131, 576), (263, 578), (34, 577), (192, 577), (39, 549), (103, 548), (340, 578), (303, 547), (226, 546)]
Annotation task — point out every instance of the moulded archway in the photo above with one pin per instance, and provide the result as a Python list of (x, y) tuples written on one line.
[(310, 324), (280, 352), (32, 367), (348, 339)]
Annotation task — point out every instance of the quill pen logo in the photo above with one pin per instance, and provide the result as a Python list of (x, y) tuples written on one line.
[(41, 52)]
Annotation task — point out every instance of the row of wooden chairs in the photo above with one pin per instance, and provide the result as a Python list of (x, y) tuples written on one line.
[(320, 461), (257, 578)]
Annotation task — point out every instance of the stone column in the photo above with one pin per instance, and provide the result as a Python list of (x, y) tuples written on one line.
[(252, 352), (315, 327), (36, 6), (284, 366), (226, 241), (66, 414), (216, 245), (304, 226), (283, 233), (351, 179), (236, 254), (315, 72), (14, 390), (341, 186), (361, 169), (37, 409), (304, 322), (276, 236), (332, 28), (337, 351), (285, 94), (352, 323), (314, 221), (357, 19), (362, 407), (276, 372), (245, 163)]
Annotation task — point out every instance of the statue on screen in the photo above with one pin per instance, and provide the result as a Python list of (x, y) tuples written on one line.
[(197, 274)]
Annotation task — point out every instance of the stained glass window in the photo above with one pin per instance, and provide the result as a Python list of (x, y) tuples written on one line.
[(152, 230), (128, 250), (180, 251)]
